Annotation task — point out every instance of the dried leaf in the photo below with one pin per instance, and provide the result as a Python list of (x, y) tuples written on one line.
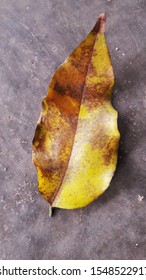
[(76, 139)]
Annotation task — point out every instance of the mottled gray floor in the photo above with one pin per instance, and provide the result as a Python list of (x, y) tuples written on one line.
[(36, 36)]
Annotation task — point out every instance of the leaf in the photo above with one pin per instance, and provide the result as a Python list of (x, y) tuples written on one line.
[(76, 139)]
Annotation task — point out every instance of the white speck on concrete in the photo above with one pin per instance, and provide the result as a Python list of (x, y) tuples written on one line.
[(140, 198), (5, 168)]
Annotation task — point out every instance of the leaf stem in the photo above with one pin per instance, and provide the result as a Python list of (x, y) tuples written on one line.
[(50, 211)]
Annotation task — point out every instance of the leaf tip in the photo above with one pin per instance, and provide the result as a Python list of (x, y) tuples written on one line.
[(102, 19), (100, 24)]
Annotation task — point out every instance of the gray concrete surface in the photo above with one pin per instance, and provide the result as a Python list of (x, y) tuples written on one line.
[(36, 36)]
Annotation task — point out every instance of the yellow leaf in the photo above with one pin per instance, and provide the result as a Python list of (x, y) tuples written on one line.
[(76, 139)]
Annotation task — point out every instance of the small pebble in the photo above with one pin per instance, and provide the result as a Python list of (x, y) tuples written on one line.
[(117, 49), (54, 49)]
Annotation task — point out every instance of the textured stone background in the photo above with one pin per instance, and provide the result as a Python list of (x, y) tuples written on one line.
[(36, 36)]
